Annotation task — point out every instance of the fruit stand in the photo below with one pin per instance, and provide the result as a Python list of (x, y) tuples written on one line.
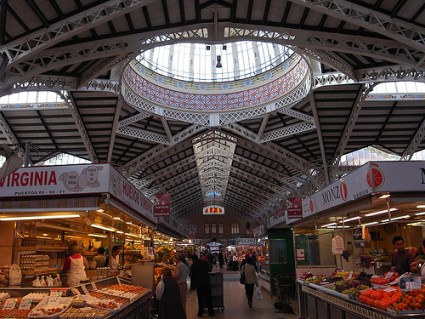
[(358, 295)]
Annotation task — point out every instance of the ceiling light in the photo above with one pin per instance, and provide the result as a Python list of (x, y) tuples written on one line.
[(34, 217), (119, 232), (381, 212), (129, 223), (395, 218), (218, 65), (117, 218), (98, 235), (131, 235), (349, 219), (384, 196), (100, 210), (420, 206), (372, 223), (420, 214), (328, 224), (338, 226), (103, 227)]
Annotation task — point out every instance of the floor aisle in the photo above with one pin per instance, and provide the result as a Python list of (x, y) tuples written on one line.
[(236, 305)]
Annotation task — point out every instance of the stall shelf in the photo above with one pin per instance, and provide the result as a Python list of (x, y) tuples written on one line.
[(315, 303), (137, 308)]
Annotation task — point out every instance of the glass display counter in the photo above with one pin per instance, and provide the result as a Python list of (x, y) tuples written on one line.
[(132, 304), (315, 303)]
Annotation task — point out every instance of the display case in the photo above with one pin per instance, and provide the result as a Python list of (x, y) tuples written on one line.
[(134, 307), (316, 303)]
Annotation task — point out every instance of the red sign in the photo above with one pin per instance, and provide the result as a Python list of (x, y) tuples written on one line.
[(162, 205), (294, 208)]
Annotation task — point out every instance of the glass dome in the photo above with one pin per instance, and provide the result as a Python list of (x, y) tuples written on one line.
[(196, 62)]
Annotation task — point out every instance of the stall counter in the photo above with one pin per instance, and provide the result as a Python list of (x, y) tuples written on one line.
[(318, 304)]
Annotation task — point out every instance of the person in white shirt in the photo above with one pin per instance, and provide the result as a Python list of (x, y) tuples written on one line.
[(181, 276)]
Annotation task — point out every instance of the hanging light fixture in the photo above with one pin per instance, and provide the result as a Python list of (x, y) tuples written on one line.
[(218, 65)]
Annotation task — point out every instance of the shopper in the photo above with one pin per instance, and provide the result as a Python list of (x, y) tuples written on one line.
[(401, 258), (113, 261), (170, 305), (74, 265), (250, 278), (100, 258), (181, 277), (200, 281)]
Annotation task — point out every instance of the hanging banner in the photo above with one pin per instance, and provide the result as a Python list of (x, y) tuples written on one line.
[(162, 205), (191, 231), (294, 208)]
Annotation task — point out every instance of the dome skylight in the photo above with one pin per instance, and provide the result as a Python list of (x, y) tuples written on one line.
[(196, 62)]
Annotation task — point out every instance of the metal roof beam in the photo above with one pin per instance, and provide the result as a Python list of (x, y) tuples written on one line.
[(144, 135), (134, 118), (115, 124), (402, 31), (82, 130), (319, 136), (161, 151), (414, 143), (33, 43), (287, 131), (351, 121)]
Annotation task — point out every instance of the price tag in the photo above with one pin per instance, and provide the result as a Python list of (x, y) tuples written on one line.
[(93, 284), (350, 275), (85, 290), (53, 300), (25, 304), (389, 289), (410, 283), (55, 293), (10, 303)]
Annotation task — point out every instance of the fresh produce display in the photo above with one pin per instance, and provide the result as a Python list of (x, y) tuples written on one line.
[(387, 278), (380, 298), (354, 292), (410, 301)]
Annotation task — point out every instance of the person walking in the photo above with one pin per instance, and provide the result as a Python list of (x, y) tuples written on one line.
[(170, 305), (181, 277), (250, 278), (200, 281)]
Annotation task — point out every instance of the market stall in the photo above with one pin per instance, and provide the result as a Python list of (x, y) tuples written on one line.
[(44, 209), (343, 244)]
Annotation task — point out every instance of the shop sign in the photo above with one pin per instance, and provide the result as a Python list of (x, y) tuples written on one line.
[(258, 231), (191, 231), (126, 192), (162, 205), (353, 186), (55, 180), (278, 218), (246, 241), (294, 208), (213, 210), (397, 176), (197, 241)]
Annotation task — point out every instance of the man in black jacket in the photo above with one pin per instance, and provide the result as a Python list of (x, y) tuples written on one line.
[(200, 281)]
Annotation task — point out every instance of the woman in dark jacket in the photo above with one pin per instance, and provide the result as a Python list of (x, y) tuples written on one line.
[(170, 306)]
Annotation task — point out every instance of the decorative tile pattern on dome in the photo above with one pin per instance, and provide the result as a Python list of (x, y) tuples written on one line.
[(217, 102)]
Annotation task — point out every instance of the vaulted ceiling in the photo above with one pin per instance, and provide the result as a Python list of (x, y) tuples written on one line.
[(79, 48)]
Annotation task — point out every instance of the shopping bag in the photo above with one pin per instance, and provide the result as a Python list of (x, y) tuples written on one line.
[(159, 291), (258, 294), (15, 275), (242, 279)]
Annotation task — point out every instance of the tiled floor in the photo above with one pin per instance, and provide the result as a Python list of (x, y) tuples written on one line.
[(235, 303)]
